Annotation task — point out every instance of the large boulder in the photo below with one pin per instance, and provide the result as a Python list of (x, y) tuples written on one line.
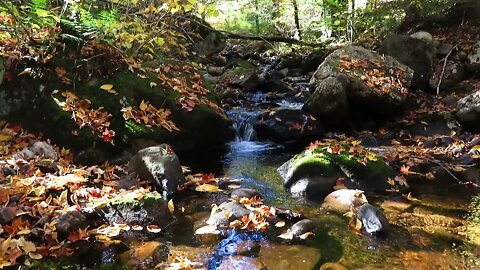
[(414, 52), (115, 108), (284, 125), (468, 114), (315, 171), (356, 84), (160, 165)]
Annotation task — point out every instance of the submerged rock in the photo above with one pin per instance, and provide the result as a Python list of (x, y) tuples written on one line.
[(160, 165), (373, 221), (146, 255)]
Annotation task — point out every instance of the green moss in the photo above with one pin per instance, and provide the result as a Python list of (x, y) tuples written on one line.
[(149, 199), (320, 160)]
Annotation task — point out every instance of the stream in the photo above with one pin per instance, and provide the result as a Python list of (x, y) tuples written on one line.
[(425, 235)]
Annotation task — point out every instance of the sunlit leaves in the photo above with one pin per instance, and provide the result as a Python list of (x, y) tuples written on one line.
[(108, 88), (146, 114), (370, 72)]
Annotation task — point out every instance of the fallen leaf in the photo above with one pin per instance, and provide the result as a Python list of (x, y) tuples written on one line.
[(171, 206), (207, 188), (209, 229), (280, 224), (153, 228), (288, 235), (306, 235)]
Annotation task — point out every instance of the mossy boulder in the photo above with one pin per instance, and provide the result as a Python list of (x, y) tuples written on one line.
[(151, 209), (315, 171), (176, 91)]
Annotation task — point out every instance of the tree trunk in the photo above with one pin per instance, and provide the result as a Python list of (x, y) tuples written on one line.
[(297, 21)]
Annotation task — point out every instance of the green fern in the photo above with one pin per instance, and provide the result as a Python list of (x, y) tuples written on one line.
[(38, 4)]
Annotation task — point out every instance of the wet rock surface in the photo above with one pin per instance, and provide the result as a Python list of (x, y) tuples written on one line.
[(160, 165)]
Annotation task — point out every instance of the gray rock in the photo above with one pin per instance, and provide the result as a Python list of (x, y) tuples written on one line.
[(373, 221), (44, 150), (473, 58), (453, 74), (245, 192), (249, 82), (302, 227), (228, 212), (151, 209), (90, 157), (468, 114), (413, 52), (423, 36), (275, 85), (39, 149), (6, 215), (70, 222), (341, 94), (443, 49), (330, 99), (160, 165), (308, 179), (344, 199), (287, 125), (368, 140)]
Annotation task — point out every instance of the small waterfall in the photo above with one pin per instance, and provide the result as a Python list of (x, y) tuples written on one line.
[(241, 123)]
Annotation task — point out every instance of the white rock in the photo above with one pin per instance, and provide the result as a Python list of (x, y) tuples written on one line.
[(344, 199)]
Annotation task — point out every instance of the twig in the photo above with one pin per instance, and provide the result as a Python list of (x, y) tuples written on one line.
[(444, 67), (443, 167)]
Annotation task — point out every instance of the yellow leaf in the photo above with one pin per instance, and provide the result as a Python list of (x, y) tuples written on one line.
[(5, 137), (35, 256), (306, 235), (358, 224), (209, 229), (287, 235), (371, 156), (108, 88), (207, 188), (137, 228), (280, 224), (143, 106), (153, 228), (171, 207)]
